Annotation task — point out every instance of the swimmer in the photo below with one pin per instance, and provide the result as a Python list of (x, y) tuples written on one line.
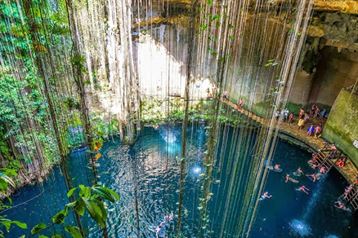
[(161, 228), (277, 168), (298, 172), (340, 205), (159, 231), (303, 189), (288, 178), (265, 196), (323, 170), (314, 177), (313, 163), (169, 218)]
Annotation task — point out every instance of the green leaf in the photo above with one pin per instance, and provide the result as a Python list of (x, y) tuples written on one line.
[(70, 192), (74, 231), (59, 218), (38, 228), (80, 207), (42, 236), (6, 223), (7, 179), (57, 236), (95, 211), (84, 191), (106, 193), (20, 224), (71, 204)]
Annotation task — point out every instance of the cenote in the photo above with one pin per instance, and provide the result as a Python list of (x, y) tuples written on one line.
[(146, 176), (178, 118)]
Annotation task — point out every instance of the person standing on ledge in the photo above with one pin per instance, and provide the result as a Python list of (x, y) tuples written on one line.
[(310, 130), (226, 95), (301, 123), (301, 114), (291, 118), (318, 131), (240, 104)]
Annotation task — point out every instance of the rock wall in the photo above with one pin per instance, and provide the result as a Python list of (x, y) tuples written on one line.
[(342, 125), (301, 87), (336, 70)]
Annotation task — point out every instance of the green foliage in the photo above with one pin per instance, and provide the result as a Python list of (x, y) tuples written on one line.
[(341, 126), (59, 218), (8, 223), (271, 63), (38, 228), (5, 182), (85, 200), (153, 113), (293, 107), (74, 231), (90, 199), (103, 128), (79, 62), (33, 33)]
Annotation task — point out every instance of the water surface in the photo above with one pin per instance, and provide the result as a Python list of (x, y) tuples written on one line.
[(146, 176)]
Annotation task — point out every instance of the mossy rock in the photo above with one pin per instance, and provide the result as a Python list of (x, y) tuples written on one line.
[(341, 127)]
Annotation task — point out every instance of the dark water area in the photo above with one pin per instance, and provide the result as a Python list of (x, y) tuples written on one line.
[(146, 176)]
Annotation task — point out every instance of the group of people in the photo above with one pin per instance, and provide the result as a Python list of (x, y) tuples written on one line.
[(284, 115), (304, 118), (288, 178), (340, 202), (287, 116), (293, 178)]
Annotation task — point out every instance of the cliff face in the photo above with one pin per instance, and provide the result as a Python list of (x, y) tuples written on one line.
[(345, 6), (341, 127)]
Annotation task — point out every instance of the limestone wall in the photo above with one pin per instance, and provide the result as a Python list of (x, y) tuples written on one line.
[(336, 70), (301, 87), (342, 125)]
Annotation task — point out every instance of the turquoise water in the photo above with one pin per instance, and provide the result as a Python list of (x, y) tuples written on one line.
[(146, 176)]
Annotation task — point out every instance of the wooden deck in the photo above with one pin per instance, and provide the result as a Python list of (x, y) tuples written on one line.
[(349, 171)]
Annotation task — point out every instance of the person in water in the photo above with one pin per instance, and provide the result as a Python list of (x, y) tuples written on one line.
[(288, 178), (277, 168), (313, 163), (314, 177), (160, 230), (323, 170), (340, 205), (298, 172), (303, 189), (265, 196)]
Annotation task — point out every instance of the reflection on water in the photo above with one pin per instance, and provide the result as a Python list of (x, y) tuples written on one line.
[(300, 228)]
